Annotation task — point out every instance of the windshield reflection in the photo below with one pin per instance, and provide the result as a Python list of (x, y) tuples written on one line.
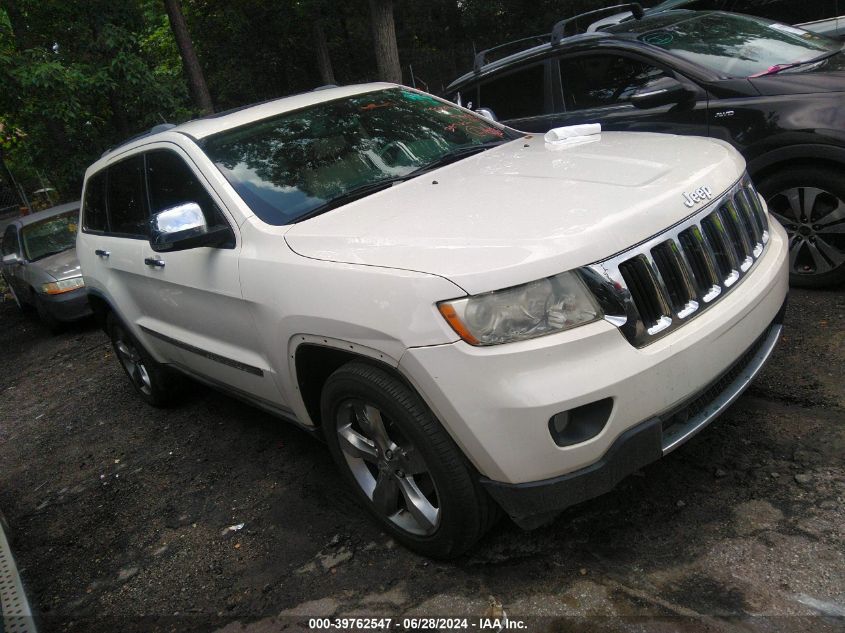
[(732, 45), (288, 166)]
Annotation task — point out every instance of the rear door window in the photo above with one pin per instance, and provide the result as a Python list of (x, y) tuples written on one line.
[(596, 81), (127, 205), (517, 95), (94, 216)]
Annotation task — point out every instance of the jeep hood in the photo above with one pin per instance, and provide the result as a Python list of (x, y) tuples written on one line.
[(523, 211)]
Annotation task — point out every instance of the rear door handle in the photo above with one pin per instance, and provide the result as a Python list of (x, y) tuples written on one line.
[(155, 263), (101, 253)]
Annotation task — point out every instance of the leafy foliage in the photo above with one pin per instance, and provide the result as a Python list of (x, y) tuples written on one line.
[(79, 77)]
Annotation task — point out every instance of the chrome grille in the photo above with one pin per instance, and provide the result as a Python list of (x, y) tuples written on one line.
[(654, 288)]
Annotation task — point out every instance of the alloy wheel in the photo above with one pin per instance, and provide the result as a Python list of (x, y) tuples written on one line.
[(388, 468), (815, 221), (134, 365)]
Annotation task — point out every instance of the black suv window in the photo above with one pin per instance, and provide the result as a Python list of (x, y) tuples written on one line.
[(516, 95), (94, 207), (126, 200), (171, 182), (10, 241), (595, 81)]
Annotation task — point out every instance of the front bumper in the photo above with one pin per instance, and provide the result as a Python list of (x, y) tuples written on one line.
[(532, 504), (496, 401), (68, 306)]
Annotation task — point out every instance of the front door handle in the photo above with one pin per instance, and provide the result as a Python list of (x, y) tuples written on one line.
[(101, 253), (155, 263)]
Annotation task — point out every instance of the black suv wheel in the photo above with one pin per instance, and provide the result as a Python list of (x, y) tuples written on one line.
[(810, 203)]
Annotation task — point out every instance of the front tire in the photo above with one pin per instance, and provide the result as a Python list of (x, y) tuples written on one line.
[(155, 383), (402, 465), (810, 203)]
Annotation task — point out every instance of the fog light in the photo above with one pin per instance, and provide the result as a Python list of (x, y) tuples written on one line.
[(581, 423)]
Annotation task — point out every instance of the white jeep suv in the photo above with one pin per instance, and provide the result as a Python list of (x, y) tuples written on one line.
[(474, 319)]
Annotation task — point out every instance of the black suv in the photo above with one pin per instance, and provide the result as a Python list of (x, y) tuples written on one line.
[(775, 92)]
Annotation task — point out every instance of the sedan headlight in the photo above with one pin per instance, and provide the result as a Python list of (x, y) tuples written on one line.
[(65, 285), (522, 312)]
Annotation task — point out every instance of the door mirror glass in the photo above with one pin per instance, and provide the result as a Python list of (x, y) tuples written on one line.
[(182, 227), (663, 91), (487, 113), (12, 259)]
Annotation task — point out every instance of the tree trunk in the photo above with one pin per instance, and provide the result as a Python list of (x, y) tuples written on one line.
[(196, 80), (324, 62), (384, 36)]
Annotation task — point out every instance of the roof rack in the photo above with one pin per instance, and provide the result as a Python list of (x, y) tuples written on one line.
[(481, 57), (161, 127), (559, 29)]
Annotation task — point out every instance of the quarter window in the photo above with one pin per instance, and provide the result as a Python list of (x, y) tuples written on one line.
[(595, 81), (94, 208), (171, 182), (127, 208), (516, 95)]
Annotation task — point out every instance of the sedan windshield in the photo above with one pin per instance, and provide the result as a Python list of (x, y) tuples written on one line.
[(50, 236), (729, 44), (304, 162)]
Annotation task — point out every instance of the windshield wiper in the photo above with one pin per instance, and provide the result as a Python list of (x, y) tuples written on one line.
[(455, 155), (352, 195), (781, 67)]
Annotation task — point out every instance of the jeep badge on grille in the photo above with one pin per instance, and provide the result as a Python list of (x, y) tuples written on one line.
[(699, 195)]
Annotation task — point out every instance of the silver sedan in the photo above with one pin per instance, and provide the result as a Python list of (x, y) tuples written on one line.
[(40, 267)]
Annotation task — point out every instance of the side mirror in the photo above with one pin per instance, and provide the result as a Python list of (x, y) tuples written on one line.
[(663, 91), (487, 113), (13, 259), (183, 227)]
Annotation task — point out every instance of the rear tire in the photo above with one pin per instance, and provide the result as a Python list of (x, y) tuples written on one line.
[(155, 383), (810, 203), (401, 464)]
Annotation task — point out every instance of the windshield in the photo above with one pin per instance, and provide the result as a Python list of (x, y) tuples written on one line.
[(50, 236), (731, 45), (291, 165)]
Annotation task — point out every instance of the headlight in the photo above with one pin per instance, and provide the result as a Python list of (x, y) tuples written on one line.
[(65, 285), (534, 309)]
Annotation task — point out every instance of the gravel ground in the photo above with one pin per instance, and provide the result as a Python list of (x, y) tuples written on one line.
[(119, 512)]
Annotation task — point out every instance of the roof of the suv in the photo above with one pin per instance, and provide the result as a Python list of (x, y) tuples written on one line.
[(623, 31), (212, 124)]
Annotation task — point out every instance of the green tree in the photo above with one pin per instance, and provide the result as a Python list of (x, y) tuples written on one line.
[(78, 78)]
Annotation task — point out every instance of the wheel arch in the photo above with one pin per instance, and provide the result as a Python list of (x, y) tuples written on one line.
[(314, 359), (101, 308), (794, 155)]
